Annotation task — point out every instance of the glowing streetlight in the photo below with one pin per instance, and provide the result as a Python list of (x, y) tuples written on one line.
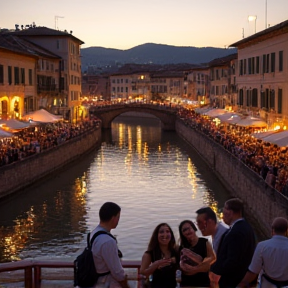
[(253, 18)]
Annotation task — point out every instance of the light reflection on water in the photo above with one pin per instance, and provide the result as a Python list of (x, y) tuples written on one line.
[(153, 175)]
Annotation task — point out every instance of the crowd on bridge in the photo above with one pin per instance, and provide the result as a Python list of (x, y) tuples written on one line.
[(268, 160), (38, 138)]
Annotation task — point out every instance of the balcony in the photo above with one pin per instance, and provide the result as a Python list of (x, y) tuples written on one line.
[(47, 88)]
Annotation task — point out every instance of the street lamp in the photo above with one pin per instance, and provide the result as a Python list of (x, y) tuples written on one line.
[(253, 18)]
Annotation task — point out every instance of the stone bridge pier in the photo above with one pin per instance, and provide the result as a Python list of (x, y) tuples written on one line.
[(107, 114)]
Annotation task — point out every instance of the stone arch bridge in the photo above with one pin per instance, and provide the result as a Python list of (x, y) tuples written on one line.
[(107, 114)]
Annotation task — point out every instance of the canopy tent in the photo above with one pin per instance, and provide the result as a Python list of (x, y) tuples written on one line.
[(5, 134), (203, 109), (14, 124), (252, 122), (215, 112), (279, 138), (230, 118), (43, 116), (262, 135)]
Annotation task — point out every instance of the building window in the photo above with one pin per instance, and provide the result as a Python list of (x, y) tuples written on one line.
[(279, 101), (257, 65), (254, 97), (247, 98), (241, 97), (10, 75), (16, 75), (30, 77), (253, 65), (268, 62), (249, 66), (264, 64), (62, 83), (241, 67), (272, 99), (22, 72), (245, 67), (272, 62), (28, 104), (58, 44), (280, 61), (1, 74), (262, 98)]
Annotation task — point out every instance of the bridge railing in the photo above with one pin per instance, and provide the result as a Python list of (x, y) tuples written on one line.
[(32, 275)]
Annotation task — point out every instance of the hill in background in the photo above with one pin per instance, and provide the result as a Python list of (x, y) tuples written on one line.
[(151, 53)]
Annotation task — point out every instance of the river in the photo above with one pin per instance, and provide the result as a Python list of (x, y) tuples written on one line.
[(153, 175)]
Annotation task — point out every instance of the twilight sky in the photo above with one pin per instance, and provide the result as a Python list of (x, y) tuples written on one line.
[(128, 23)]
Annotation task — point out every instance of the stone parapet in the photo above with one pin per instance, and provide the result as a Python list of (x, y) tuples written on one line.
[(21, 174)]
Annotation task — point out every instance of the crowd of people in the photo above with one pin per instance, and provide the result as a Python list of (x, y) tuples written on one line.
[(35, 139), (268, 160), (232, 260)]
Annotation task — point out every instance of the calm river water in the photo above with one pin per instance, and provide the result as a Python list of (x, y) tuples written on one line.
[(153, 175)]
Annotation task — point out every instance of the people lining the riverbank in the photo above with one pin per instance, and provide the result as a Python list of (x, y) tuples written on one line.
[(268, 160), (33, 140)]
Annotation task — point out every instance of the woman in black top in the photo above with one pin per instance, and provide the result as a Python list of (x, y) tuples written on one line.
[(160, 258), (196, 256)]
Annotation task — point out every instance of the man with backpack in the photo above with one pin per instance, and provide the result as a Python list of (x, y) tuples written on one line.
[(105, 250)]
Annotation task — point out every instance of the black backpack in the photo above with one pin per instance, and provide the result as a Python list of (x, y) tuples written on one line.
[(85, 274)]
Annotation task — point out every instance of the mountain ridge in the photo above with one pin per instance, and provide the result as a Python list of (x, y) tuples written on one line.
[(151, 53)]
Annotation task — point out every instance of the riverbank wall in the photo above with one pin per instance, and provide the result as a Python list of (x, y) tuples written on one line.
[(22, 174), (262, 203)]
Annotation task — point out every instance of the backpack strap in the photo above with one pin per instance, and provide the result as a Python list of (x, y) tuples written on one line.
[(90, 242)]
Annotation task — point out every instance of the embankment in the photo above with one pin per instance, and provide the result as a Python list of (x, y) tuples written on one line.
[(21, 174), (262, 202)]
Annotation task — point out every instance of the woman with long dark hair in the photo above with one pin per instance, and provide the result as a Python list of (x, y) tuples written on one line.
[(196, 256), (160, 258)]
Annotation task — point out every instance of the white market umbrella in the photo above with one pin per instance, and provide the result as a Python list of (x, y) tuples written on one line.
[(5, 134), (203, 110), (252, 122), (15, 124), (230, 118), (262, 135), (42, 116), (279, 138), (215, 112)]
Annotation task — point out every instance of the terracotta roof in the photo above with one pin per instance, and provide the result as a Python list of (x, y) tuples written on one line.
[(223, 60), (44, 31), (281, 27), (24, 47)]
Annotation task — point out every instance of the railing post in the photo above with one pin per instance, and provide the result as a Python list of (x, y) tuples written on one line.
[(37, 276), (28, 277)]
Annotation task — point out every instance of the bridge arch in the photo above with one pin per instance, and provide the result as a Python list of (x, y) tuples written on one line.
[(107, 114)]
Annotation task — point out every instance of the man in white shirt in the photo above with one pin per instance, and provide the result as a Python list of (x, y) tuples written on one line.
[(105, 250), (270, 259), (208, 225)]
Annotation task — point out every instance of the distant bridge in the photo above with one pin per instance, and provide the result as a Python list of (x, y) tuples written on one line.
[(107, 114)]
